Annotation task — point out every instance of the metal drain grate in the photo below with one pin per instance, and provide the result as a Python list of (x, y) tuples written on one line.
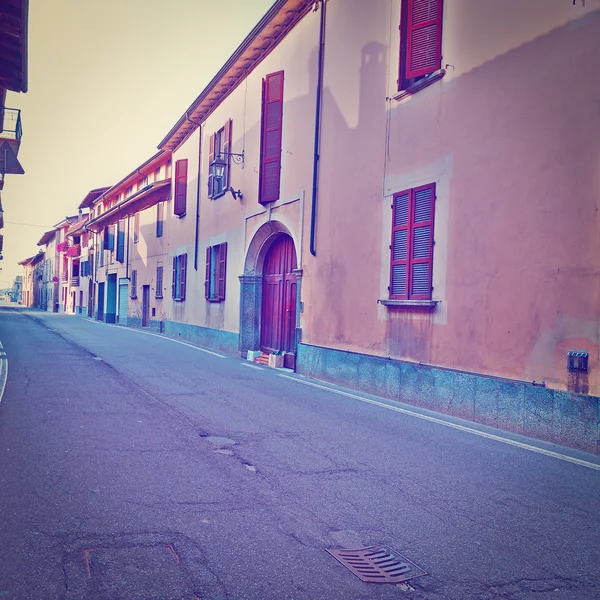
[(378, 564)]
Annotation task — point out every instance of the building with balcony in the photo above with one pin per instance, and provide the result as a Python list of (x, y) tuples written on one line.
[(13, 77)]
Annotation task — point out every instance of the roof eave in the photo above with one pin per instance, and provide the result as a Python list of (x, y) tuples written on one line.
[(185, 126)]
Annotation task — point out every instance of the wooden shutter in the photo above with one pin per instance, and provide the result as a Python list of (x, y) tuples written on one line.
[(159, 282), (159, 219), (207, 275), (111, 237), (423, 37), (211, 157), (272, 127), (134, 284), (136, 227), (400, 245), (226, 150), (221, 272), (120, 242), (421, 256), (181, 170), (182, 275), (174, 284)]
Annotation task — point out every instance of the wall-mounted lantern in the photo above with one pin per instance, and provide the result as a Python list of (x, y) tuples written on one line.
[(218, 169)]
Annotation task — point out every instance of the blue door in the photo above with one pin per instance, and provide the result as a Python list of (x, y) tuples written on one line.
[(111, 298)]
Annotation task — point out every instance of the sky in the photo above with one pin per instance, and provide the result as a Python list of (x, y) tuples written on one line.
[(107, 81)]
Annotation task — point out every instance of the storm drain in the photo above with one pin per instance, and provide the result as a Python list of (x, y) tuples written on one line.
[(378, 564)]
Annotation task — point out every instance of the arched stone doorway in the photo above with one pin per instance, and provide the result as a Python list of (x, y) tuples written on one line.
[(270, 293)]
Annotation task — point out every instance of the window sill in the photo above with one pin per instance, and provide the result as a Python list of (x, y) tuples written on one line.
[(428, 304), (214, 299), (421, 84)]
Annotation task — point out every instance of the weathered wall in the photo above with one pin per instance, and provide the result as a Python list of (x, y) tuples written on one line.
[(510, 136)]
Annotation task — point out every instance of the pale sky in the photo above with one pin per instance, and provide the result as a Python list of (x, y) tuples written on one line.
[(107, 81)]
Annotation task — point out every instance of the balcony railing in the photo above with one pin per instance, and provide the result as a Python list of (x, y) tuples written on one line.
[(10, 123), (75, 280), (65, 277)]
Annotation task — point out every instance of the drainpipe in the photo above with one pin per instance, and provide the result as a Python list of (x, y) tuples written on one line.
[(196, 241), (128, 242), (313, 211)]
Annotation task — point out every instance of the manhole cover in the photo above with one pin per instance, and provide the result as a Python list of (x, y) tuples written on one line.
[(378, 564)]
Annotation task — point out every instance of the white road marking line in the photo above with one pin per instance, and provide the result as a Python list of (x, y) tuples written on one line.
[(162, 337), (3, 375), (489, 436), (252, 366)]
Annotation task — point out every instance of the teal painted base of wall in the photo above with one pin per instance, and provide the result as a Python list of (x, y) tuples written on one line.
[(135, 322), (225, 341), (553, 415)]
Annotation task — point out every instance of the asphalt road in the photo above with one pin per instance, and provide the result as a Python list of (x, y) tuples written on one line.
[(137, 467)]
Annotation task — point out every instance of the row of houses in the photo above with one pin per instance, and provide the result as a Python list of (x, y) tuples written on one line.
[(400, 196)]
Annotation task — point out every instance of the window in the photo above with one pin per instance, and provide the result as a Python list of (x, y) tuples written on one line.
[(133, 284), (136, 228), (160, 210), (412, 244), (420, 41), (120, 241), (271, 130), (216, 265), (181, 170), (220, 147), (159, 281), (179, 276), (128, 191), (142, 183), (157, 174), (109, 238), (168, 170)]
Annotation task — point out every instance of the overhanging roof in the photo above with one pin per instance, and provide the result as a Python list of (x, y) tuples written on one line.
[(144, 198), (91, 197), (271, 29), (77, 227), (46, 237), (143, 169), (27, 261), (13, 44)]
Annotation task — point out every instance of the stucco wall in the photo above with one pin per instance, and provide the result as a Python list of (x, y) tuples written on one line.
[(510, 137)]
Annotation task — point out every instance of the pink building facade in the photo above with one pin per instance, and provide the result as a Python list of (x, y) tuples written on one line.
[(399, 197)]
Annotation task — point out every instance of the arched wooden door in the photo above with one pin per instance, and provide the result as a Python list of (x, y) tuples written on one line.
[(279, 287)]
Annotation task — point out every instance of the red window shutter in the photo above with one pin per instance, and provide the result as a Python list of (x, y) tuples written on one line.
[(400, 246), (183, 275), (181, 170), (421, 256), (222, 271), (423, 37), (272, 127), (174, 284), (207, 276), (211, 157), (226, 150)]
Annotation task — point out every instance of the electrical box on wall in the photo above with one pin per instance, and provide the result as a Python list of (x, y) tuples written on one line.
[(577, 361)]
